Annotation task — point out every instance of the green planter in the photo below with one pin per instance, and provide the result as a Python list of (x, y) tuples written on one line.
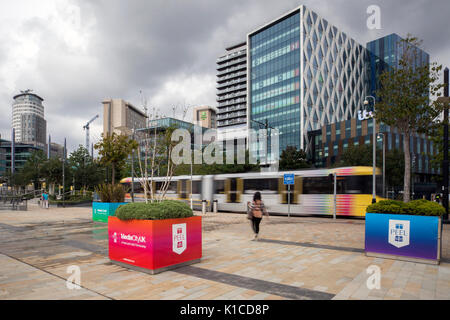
[(102, 210)]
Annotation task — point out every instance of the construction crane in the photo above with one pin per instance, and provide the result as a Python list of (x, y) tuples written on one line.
[(86, 127)]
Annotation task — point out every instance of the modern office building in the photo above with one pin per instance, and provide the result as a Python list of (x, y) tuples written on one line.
[(305, 73), (22, 152), (232, 88), (121, 117), (28, 119), (331, 141), (205, 116), (56, 150), (386, 53)]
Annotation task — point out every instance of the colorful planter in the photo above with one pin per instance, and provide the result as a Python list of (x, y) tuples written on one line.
[(154, 246), (102, 210), (403, 237)]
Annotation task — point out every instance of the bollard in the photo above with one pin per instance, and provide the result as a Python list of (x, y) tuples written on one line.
[(203, 206), (215, 206)]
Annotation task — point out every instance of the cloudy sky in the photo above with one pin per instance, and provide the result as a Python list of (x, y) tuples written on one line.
[(75, 53)]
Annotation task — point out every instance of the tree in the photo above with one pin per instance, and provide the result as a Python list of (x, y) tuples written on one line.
[(32, 169), (114, 150), (292, 159), (357, 155), (85, 170), (405, 99)]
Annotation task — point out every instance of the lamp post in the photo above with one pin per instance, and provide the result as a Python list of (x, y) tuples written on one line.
[(132, 170), (366, 103), (383, 135)]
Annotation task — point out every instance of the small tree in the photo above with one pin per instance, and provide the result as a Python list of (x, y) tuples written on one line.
[(114, 150), (405, 99), (357, 155), (292, 159)]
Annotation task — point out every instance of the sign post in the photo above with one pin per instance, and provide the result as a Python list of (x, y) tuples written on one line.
[(289, 180)]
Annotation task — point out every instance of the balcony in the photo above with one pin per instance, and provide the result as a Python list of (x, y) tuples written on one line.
[(232, 102), (232, 95), (230, 63), (231, 89), (228, 70), (234, 75), (232, 55)]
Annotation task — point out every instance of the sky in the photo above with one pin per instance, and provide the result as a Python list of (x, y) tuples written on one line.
[(76, 53)]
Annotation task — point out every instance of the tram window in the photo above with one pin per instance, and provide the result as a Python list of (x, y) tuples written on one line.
[(220, 186), (261, 184), (172, 185), (196, 187), (317, 185), (358, 185)]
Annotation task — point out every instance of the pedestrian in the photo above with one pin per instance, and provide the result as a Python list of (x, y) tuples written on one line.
[(45, 196), (255, 212), (42, 199)]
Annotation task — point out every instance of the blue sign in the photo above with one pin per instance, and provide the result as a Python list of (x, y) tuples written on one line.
[(289, 178), (402, 235)]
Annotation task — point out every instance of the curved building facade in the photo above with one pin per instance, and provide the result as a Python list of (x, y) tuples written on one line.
[(28, 119)]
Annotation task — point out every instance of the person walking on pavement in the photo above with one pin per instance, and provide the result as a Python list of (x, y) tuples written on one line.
[(255, 212), (45, 197)]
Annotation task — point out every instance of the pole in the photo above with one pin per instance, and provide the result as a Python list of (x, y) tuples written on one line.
[(445, 162), (384, 165), (335, 191), (132, 172), (63, 164), (289, 200), (192, 206), (13, 154), (374, 196)]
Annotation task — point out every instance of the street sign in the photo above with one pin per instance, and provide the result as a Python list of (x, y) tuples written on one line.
[(289, 178)]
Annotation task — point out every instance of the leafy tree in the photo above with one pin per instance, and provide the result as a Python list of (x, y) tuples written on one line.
[(32, 169), (357, 155), (86, 172), (405, 99), (114, 150), (293, 159)]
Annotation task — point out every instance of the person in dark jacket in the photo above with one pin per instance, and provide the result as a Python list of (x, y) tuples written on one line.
[(256, 210)]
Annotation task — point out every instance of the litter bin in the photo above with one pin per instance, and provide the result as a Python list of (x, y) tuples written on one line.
[(215, 206)]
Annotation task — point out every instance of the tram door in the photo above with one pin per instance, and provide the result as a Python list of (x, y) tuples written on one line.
[(234, 189), (296, 191), (184, 189)]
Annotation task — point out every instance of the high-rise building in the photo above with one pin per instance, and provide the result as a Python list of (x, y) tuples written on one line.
[(232, 88), (205, 116), (28, 119), (385, 53), (121, 117), (305, 73)]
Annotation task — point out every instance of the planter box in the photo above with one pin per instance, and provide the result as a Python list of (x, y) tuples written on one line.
[(102, 210), (403, 237), (154, 246)]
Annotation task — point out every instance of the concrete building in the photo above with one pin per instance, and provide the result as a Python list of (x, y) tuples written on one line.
[(56, 150), (232, 88), (121, 117), (28, 119), (205, 116)]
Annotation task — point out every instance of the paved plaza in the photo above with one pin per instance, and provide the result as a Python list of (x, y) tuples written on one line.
[(296, 258)]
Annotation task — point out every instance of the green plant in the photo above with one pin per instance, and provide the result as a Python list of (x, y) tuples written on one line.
[(111, 192), (167, 209), (415, 207)]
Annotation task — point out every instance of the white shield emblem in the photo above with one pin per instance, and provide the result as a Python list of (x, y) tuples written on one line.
[(179, 238), (399, 233)]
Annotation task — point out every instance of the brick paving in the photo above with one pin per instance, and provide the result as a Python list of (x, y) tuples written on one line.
[(296, 258)]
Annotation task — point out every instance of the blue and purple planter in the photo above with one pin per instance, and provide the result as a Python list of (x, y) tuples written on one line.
[(403, 237)]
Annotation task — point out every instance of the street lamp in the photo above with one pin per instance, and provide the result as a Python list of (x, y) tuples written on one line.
[(366, 103), (383, 136)]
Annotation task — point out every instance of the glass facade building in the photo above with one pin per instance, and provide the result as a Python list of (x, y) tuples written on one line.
[(385, 53), (303, 73)]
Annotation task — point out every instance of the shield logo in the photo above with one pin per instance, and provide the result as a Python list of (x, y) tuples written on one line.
[(399, 233), (115, 237), (179, 238)]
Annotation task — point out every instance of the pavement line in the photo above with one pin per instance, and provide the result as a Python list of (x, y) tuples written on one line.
[(312, 245), (55, 275), (278, 289)]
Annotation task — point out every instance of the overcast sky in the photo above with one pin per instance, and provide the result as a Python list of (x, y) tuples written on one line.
[(75, 53)]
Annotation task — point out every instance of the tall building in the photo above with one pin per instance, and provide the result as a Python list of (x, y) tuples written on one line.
[(205, 116), (28, 119), (386, 52), (121, 117), (305, 73), (232, 88), (22, 153)]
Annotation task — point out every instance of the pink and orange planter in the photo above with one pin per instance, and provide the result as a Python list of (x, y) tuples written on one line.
[(154, 246)]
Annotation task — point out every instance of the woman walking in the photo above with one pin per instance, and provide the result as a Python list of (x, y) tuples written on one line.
[(256, 210)]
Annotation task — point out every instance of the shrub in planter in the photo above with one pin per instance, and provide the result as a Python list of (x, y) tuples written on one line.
[(111, 192), (168, 209), (155, 236), (406, 231), (416, 207)]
